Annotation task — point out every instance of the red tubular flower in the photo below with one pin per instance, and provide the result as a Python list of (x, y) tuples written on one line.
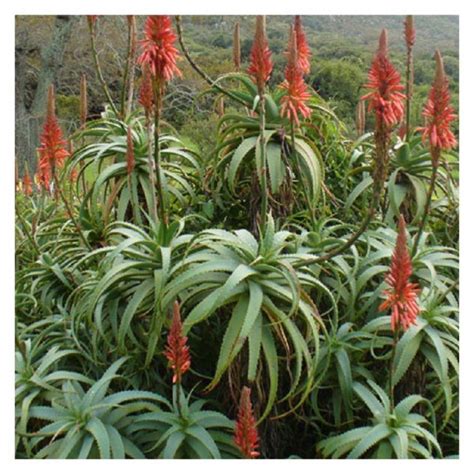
[(385, 85), (296, 95), (302, 46), (130, 151), (27, 184), (52, 151), (260, 56), (176, 351), (145, 94), (410, 33), (246, 434), (158, 48), (438, 112), (402, 295)]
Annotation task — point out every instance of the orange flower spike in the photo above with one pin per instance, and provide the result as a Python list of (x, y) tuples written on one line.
[(438, 112), (52, 150), (130, 151), (246, 434), (261, 65), (410, 32), (27, 184), (294, 101), (176, 350), (401, 297), (384, 83), (304, 53), (145, 94), (91, 19), (158, 48)]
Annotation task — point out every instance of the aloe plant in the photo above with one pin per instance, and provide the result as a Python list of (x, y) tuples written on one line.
[(92, 423), (398, 433)]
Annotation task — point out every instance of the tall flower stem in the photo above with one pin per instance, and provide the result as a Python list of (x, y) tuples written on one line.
[(375, 203), (178, 399), (151, 171), (133, 198), (99, 69), (410, 35), (392, 369), (299, 172), (197, 68), (409, 86), (161, 193), (68, 208), (426, 210), (128, 76), (263, 158)]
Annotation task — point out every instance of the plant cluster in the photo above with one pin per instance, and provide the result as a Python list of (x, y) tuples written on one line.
[(293, 293)]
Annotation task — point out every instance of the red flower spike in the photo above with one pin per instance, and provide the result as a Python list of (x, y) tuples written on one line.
[(158, 48), (384, 83), (260, 56), (302, 46), (52, 151), (130, 151), (401, 298), (293, 102), (246, 434), (438, 112), (176, 351), (91, 19), (27, 184), (145, 94), (410, 33)]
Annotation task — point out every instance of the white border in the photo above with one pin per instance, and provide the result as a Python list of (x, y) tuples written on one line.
[(249, 7)]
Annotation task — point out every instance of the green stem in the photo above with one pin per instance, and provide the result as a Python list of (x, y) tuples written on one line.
[(151, 172), (178, 398), (126, 70), (300, 174), (263, 157), (409, 86), (131, 81), (99, 70), (133, 200), (429, 198), (68, 208), (161, 194), (392, 369), (195, 66), (379, 177)]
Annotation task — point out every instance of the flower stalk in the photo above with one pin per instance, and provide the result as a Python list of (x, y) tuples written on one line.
[(410, 35), (260, 69), (438, 114), (177, 352), (129, 71), (236, 47), (105, 88), (386, 102), (400, 297)]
